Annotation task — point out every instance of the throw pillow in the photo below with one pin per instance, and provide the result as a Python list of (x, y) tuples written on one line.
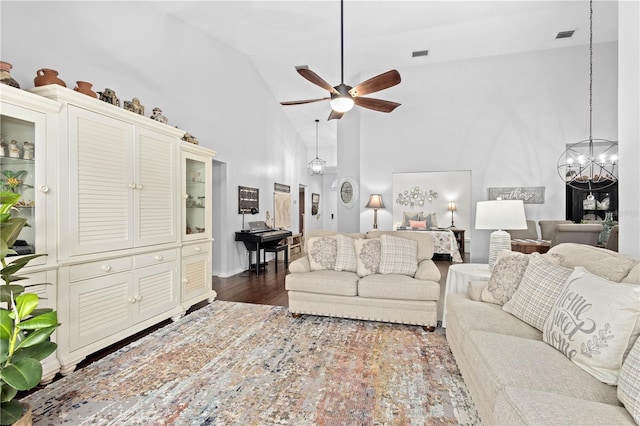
[(418, 224), (629, 382), (507, 275), (367, 256), (407, 216), (322, 253), (540, 287), (592, 322), (398, 255), (432, 221), (346, 254)]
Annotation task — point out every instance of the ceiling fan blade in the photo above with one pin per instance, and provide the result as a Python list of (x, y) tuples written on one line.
[(335, 115), (376, 104), (304, 101), (377, 83), (315, 79)]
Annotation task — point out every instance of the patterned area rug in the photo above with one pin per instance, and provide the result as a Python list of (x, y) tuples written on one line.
[(241, 364)]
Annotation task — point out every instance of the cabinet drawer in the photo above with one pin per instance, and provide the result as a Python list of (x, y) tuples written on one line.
[(100, 268), (154, 258), (195, 249)]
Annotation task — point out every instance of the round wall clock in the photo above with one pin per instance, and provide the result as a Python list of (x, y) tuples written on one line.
[(348, 192)]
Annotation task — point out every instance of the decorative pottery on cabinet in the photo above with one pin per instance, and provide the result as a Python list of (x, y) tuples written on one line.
[(5, 75), (46, 76), (85, 88)]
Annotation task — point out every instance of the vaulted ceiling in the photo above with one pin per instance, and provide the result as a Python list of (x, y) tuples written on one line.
[(277, 36)]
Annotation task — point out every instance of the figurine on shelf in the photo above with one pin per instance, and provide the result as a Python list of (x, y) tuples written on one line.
[(3, 147), (157, 116), (134, 106), (27, 152), (109, 96), (14, 152), (188, 137)]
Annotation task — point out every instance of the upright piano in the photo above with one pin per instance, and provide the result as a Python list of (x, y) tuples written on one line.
[(258, 237)]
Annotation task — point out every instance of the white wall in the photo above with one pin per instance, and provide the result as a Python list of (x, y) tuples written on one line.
[(505, 118), (202, 86)]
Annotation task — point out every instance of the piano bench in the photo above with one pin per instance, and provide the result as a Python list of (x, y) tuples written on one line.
[(276, 249)]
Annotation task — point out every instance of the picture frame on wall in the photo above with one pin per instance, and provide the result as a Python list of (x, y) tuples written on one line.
[(248, 198), (315, 204)]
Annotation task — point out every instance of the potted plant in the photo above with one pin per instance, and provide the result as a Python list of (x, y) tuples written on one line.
[(25, 330)]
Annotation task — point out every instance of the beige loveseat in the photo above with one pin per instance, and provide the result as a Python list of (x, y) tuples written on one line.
[(387, 297), (515, 377)]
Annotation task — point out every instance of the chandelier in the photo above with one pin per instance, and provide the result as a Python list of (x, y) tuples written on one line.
[(591, 160), (316, 166)]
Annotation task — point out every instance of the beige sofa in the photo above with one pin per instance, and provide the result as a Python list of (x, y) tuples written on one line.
[(516, 378), (377, 297)]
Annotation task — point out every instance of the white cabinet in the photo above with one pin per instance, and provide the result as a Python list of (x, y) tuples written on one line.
[(196, 181), (121, 184)]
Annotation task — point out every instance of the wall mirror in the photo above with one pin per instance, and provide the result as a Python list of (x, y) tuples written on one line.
[(348, 192)]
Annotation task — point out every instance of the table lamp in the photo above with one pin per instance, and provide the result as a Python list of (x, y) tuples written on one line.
[(452, 208), (500, 215), (375, 203)]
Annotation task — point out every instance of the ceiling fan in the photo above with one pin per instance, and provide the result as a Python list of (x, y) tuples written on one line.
[(342, 96)]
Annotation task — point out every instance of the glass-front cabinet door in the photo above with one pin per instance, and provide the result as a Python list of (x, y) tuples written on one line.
[(196, 196), (23, 156)]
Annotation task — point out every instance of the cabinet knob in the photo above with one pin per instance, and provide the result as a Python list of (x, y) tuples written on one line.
[(158, 258), (132, 185), (138, 298), (185, 280), (132, 300), (185, 196), (198, 249), (106, 268), (139, 186), (44, 188)]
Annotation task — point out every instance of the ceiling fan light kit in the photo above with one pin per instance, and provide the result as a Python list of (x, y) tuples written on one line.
[(343, 97)]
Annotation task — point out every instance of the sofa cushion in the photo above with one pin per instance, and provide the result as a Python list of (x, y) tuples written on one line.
[(592, 322), (601, 262), (507, 274), (520, 406), (346, 254), (424, 240), (501, 361), (398, 256), (322, 253), (538, 291), (398, 287), (367, 256), (324, 282), (418, 224), (430, 218), (629, 382), (633, 277)]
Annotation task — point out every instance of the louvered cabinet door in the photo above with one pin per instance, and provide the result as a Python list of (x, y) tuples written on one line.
[(101, 183), (156, 290), (196, 273), (156, 209)]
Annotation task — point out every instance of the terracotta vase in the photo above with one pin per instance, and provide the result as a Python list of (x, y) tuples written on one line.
[(5, 75), (85, 88), (47, 76)]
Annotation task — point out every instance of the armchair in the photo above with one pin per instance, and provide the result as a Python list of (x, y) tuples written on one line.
[(531, 233), (548, 227), (581, 233)]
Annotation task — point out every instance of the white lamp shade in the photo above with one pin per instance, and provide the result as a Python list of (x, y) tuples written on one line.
[(500, 214)]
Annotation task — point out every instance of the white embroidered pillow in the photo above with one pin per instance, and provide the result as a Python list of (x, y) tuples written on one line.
[(540, 287), (592, 323), (398, 255), (346, 254), (367, 256), (322, 253)]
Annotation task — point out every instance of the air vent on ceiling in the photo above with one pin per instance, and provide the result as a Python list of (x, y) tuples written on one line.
[(565, 34), (419, 53)]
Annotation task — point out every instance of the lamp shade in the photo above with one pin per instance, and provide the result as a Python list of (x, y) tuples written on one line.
[(375, 202), (452, 206), (500, 214)]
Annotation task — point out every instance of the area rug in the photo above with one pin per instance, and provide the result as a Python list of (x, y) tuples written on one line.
[(241, 364)]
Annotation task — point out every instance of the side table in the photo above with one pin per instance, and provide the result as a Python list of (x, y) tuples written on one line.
[(459, 234), (458, 278)]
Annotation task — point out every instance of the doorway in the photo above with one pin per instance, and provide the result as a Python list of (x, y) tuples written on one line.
[(301, 206)]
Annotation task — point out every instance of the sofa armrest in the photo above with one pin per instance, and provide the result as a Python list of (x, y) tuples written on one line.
[(427, 271), (475, 289), (300, 265)]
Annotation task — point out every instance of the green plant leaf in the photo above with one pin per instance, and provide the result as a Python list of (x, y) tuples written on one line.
[(11, 229), (17, 264), (7, 393), (39, 351), (36, 337), (22, 375), (10, 412), (26, 303), (48, 319), (7, 201), (8, 291), (6, 326)]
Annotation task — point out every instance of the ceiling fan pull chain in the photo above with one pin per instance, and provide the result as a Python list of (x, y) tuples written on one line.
[(341, 41)]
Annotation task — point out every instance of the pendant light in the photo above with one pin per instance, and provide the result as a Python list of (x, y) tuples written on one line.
[(591, 161), (316, 166)]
